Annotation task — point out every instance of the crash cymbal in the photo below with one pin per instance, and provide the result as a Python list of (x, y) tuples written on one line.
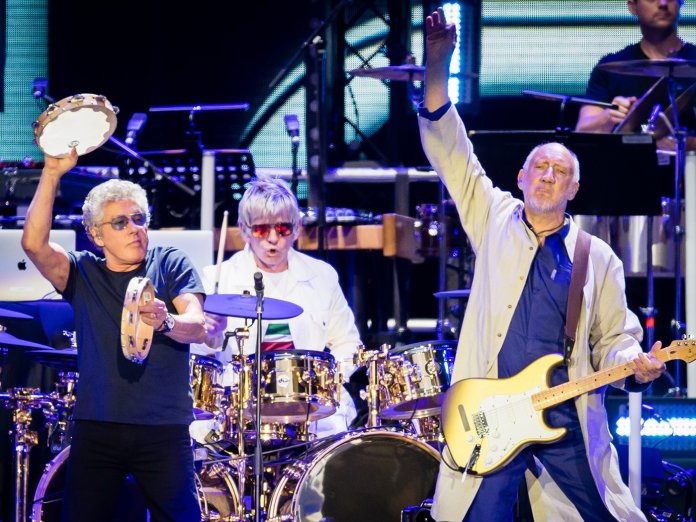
[(453, 294), (244, 305), (10, 341), (11, 314), (675, 67), (63, 360), (404, 73)]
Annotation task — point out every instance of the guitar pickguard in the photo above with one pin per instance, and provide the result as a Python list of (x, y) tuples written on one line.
[(510, 422)]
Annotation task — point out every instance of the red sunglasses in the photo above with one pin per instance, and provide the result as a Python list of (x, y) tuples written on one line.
[(262, 230)]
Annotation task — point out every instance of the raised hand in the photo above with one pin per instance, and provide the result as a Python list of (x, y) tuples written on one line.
[(440, 40), (56, 167)]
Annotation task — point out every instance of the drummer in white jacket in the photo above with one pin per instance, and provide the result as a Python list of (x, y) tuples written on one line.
[(269, 221)]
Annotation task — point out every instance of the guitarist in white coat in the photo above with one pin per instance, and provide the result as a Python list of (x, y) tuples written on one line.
[(516, 314)]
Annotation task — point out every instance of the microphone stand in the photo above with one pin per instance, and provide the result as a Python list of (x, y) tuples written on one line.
[(258, 455), (295, 169)]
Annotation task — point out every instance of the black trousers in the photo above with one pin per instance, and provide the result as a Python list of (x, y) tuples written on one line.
[(103, 454)]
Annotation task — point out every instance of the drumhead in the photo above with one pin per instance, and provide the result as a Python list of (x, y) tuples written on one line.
[(84, 121), (424, 346), (369, 476)]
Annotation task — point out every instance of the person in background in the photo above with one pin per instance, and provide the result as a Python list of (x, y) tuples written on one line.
[(269, 221), (130, 418), (516, 314), (658, 22)]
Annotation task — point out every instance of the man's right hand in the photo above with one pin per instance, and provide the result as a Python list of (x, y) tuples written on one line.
[(440, 40), (624, 103), (57, 167)]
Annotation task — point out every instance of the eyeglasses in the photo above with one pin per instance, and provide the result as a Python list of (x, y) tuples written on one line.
[(262, 230), (120, 222)]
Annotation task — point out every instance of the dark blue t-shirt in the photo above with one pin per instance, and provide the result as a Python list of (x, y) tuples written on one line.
[(605, 86), (110, 387)]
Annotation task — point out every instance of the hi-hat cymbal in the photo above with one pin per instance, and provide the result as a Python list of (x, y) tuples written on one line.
[(453, 294), (12, 314), (404, 73), (10, 341), (675, 67), (63, 360), (244, 305)]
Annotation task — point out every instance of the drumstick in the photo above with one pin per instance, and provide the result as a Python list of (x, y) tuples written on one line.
[(221, 250)]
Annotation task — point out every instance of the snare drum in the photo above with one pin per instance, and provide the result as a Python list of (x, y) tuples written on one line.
[(297, 386), (370, 476), (215, 485), (206, 383), (414, 379), (83, 121)]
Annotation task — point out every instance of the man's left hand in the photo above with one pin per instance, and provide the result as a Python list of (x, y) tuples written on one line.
[(647, 367)]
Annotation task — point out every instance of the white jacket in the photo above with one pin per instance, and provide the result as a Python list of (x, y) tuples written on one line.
[(608, 333), (327, 320)]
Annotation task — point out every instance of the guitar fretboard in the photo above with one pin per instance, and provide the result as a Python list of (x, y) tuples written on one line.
[(684, 350)]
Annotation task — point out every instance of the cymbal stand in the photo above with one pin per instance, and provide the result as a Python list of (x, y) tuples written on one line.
[(371, 357), (678, 327), (240, 335), (22, 401)]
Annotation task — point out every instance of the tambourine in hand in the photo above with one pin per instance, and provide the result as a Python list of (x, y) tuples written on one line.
[(136, 335), (84, 122)]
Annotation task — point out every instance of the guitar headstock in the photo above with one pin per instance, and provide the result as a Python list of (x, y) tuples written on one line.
[(684, 349)]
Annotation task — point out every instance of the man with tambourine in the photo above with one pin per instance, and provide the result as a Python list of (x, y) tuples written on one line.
[(134, 400)]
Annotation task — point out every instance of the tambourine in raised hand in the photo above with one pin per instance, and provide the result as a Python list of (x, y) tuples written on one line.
[(83, 121)]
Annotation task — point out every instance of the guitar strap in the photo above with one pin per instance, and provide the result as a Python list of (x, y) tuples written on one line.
[(577, 281)]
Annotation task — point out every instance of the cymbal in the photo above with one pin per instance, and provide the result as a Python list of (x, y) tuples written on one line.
[(453, 294), (11, 314), (404, 73), (64, 360), (244, 305), (675, 67), (10, 341)]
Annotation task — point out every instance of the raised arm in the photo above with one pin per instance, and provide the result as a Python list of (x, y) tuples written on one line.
[(51, 259), (440, 39)]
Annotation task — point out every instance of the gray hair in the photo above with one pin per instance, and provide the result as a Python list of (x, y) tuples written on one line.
[(574, 158), (107, 192), (268, 199)]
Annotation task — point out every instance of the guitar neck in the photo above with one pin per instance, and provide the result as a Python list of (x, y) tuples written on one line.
[(569, 390)]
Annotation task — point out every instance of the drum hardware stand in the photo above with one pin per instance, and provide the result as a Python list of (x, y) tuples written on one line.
[(371, 357), (678, 327), (240, 335), (22, 401), (258, 450)]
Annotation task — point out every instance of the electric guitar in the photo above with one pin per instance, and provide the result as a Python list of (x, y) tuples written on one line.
[(487, 422)]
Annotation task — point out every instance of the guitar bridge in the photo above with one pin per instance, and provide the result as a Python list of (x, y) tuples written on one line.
[(480, 424)]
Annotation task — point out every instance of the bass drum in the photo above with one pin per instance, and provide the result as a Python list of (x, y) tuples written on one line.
[(369, 476), (217, 495)]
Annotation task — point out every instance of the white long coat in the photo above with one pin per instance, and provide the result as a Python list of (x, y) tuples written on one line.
[(608, 333)]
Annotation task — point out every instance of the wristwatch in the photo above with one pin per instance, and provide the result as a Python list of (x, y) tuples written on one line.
[(167, 324)]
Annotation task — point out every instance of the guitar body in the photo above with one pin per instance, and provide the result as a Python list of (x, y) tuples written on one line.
[(487, 422)]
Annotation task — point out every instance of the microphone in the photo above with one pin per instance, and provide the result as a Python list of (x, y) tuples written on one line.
[(38, 87), (292, 125), (654, 114), (135, 126), (258, 283), (38, 90)]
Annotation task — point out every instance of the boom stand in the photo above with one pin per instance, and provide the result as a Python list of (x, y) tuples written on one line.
[(258, 455)]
